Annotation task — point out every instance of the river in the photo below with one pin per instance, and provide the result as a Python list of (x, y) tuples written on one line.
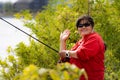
[(9, 36)]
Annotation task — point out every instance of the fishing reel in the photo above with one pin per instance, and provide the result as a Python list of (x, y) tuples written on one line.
[(63, 60)]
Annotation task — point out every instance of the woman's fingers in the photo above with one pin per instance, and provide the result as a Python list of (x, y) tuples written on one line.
[(62, 54), (65, 34)]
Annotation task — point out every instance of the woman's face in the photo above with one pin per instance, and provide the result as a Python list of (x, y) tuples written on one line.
[(84, 28)]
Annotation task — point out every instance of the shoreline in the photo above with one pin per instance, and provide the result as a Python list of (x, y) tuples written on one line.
[(10, 15)]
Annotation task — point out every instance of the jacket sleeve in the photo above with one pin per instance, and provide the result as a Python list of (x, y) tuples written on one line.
[(89, 49)]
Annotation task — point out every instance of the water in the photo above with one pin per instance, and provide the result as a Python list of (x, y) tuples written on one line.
[(9, 36)]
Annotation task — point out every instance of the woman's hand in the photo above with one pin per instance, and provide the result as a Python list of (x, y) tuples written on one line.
[(65, 35), (62, 54)]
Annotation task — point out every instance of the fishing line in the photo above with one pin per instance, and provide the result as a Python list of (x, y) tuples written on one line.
[(29, 35), (88, 8)]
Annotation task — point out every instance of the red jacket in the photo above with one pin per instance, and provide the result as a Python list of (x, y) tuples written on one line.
[(90, 52)]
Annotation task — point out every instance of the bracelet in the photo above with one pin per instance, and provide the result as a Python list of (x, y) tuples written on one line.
[(67, 54)]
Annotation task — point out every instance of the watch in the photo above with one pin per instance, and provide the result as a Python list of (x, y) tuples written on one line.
[(67, 54)]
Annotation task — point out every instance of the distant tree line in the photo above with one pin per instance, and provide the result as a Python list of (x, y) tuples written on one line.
[(33, 5)]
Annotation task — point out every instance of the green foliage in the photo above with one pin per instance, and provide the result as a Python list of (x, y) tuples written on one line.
[(34, 55), (112, 71), (47, 26), (10, 68), (64, 71), (30, 73)]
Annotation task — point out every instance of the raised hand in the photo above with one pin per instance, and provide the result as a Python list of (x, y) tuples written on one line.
[(65, 35)]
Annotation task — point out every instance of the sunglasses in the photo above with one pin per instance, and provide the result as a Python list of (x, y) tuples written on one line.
[(81, 25)]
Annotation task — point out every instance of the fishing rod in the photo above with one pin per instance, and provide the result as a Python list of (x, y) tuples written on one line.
[(29, 35)]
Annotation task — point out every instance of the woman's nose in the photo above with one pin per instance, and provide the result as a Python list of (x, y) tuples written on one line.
[(83, 27)]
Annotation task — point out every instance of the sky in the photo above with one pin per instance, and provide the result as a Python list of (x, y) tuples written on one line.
[(8, 1)]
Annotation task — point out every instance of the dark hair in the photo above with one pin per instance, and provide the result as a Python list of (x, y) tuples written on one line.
[(85, 17)]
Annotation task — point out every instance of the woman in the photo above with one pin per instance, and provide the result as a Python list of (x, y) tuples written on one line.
[(88, 52)]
